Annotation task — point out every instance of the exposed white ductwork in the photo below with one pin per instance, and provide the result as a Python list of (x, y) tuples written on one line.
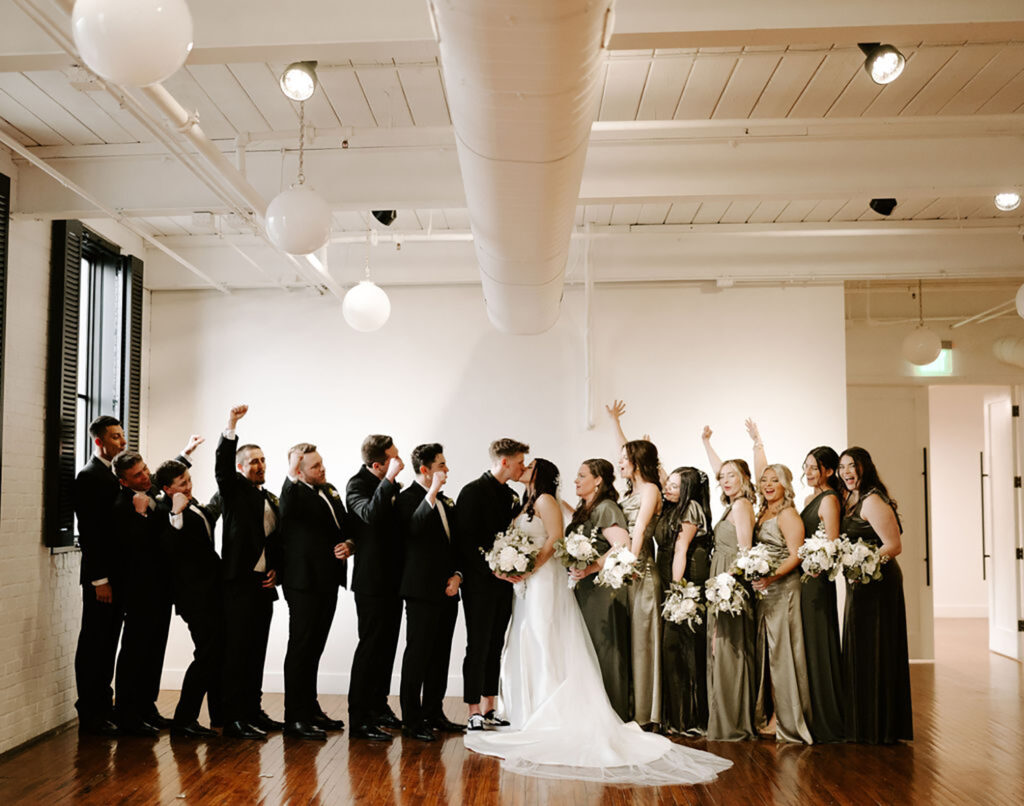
[(1009, 350), (522, 80)]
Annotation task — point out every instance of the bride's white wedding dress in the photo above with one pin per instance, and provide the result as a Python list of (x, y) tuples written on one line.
[(562, 725)]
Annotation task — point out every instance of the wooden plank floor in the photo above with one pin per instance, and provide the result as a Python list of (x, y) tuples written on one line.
[(968, 718)]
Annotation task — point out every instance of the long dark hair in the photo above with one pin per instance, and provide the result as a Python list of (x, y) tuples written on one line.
[(867, 473), (603, 470), (693, 486), (545, 480), (643, 455), (827, 459)]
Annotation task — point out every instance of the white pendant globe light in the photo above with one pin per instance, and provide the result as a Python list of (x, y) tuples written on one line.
[(366, 307), (298, 221), (132, 42), (1020, 302), (921, 346)]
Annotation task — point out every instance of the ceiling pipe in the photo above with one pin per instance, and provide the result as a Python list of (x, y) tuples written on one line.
[(523, 81)]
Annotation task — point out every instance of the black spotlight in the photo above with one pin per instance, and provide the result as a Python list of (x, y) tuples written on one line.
[(883, 206), (385, 217)]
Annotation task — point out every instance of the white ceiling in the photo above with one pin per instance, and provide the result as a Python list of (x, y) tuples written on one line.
[(731, 122)]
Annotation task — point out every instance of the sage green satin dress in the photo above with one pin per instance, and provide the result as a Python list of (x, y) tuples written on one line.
[(780, 660), (606, 613), (645, 623), (731, 646)]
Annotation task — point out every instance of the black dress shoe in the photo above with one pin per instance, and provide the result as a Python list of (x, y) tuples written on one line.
[(371, 732), (265, 723), (138, 727), (421, 732), (243, 730), (193, 731), (324, 722), (98, 727), (304, 730), (388, 721), (157, 721), (445, 725), (492, 720)]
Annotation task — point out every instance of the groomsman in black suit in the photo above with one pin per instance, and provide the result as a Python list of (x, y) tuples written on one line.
[(430, 587), (486, 507), (314, 551), (95, 491), (195, 573), (138, 525), (250, 549), (370, 497)]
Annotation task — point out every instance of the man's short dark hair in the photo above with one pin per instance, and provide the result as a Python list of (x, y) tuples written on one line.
[(99, 426), (168, 472), (249, 446), (507, 447), (375, 449), (424, 455), (125, 461)]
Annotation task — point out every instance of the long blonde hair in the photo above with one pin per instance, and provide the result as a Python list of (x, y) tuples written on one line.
[(743, 469), (785, 477)]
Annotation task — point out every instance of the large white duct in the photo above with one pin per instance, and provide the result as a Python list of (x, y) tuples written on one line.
[(523, 79), (1009, 350)]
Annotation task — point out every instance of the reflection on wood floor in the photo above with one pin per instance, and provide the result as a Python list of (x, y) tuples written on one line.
[(969, 748)]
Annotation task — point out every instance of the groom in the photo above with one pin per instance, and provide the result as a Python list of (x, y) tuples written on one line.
[(486, 507)]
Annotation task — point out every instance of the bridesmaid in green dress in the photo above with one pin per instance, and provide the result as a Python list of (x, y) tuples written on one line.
[(683, 537), (782, 694), (605, 611), (638, 464), (876, 661), (823, 508), (731, 639)]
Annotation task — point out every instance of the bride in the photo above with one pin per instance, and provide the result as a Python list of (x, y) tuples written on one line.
[(561, 722)]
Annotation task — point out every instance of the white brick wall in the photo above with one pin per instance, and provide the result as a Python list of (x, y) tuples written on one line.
[(40, 599)]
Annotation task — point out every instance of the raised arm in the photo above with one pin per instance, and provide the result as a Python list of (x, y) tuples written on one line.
[(760, 460), (615, 412), (713, 458), (882, 518)]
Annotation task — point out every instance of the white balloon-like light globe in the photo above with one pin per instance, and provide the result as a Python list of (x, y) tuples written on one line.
[(366, 307), (921, 346), (298, 221)]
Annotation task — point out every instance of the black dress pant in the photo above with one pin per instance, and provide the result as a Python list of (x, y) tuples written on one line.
[(147, 620), (203, 676), (310, 614), (248, 610), (487, 604), (379, 622), (429, 627), (94, 657)]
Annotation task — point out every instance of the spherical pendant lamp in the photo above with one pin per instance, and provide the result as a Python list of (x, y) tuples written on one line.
[(366, 307), (298, 221), (1020, 302), (921, 346), (132, 42)]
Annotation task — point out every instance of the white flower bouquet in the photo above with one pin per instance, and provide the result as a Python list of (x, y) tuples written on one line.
[(754, 563), (861, 562), (724, 594), (819, 556), (577, 550), (620, 568), (683, 604), (512, 553)]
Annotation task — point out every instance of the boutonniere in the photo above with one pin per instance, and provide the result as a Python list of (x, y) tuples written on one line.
[(272, 498), (515, 499), (333, 492), (447, 501)]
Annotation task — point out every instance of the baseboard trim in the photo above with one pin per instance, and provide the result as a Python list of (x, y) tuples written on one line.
[(63, 727)]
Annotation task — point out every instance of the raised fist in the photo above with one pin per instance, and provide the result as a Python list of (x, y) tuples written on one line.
[(706, 433), (141, 503), (395, 467), (236, 414), (194, 442), (179, 502), (438, 480)]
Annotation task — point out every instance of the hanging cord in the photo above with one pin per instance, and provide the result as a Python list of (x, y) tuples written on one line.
[(301, 178), (920, 306)]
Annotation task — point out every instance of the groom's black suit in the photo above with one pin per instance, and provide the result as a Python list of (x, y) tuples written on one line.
[(310, 529), (430, 561), (248, 606), (485, 508), (376, 533)]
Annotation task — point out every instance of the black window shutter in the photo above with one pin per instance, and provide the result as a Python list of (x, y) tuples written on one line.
[(131, 368), (62, 384), (5, 218)]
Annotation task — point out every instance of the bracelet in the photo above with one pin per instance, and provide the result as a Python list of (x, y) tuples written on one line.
[(758, 444)]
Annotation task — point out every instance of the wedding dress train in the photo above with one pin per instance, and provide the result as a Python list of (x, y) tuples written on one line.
[(562, 725)]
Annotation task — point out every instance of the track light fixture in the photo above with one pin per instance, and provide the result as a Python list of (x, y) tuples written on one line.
[(298, 81), (385, 217), (883, 62), (1008, 200), (883, 206)]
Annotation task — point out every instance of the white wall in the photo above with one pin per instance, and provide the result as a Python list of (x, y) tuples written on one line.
[(680, 356), (957, 435)]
